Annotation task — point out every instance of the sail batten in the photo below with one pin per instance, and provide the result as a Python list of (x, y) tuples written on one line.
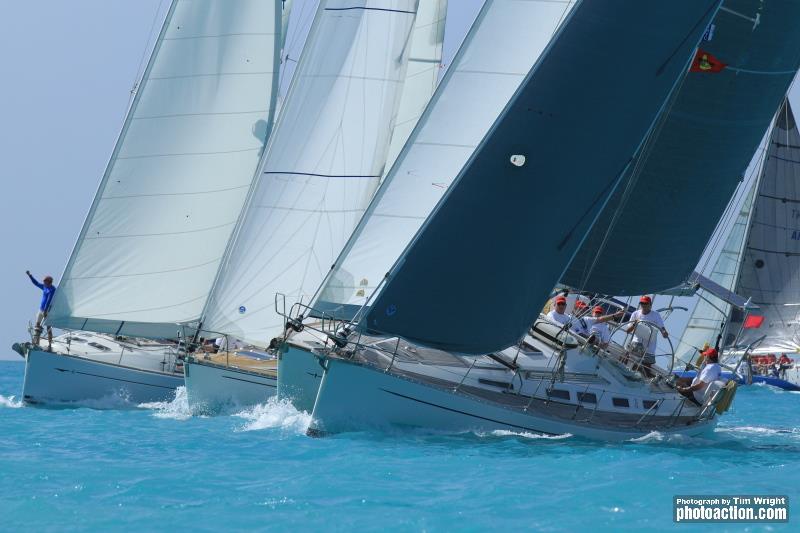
[(164, 211)]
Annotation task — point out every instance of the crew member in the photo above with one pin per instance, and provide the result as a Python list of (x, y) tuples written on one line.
[(48, 291), (645, 313), (557, 314), (599, 333), (707, 375)]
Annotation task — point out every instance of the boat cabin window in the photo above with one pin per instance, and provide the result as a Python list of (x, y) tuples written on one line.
[(648, 404), (587, 397), (100, 347), (558, 393), (621, 402)]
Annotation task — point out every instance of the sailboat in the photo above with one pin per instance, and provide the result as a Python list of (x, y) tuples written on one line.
[(363, 78), (759, 259), (144, 262), (431, 321)]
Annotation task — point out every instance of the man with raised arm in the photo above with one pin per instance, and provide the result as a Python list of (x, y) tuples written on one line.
[(48, 291)]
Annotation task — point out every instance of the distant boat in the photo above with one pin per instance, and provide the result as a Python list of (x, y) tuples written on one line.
[(760, 259), (149, 250), (365, 75)]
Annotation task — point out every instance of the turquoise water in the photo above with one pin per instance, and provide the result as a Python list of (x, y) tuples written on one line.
[(155, 468)]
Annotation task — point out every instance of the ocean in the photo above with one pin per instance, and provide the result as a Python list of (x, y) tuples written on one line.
[(156, 468)]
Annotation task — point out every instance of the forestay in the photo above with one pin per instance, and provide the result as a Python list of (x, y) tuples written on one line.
[(170, 197), (501, 47), (654, 229), (770, 271), (476, 275), (322, 165)]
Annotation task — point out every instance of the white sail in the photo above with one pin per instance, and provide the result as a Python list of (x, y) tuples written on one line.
[(322, 166), (706, 319), (422, 72), (502, 46), (180, 172)]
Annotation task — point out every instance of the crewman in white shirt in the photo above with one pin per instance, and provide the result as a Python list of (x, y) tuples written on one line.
[(557, 314), (598, 327), (645, 313), (707, 375), (578, 317)]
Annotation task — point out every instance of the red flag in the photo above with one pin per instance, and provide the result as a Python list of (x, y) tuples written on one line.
[(705, 62), (753, 322)]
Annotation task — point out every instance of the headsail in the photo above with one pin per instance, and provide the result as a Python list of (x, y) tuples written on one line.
[(322, 166), (477, 273), (652, 232), (171, 194), (707, 318), (770, 270), (502, 46)]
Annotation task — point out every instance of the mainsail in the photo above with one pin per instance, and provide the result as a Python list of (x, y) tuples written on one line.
[(707, 318), (325, 160), (770, 269), (655, 227), (476, 274), (501, 47), (168, 202)]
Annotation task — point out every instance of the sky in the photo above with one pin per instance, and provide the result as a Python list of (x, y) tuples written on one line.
[(68, 69)]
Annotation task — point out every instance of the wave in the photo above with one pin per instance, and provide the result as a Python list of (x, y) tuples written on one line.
[(528, 435), (10, 402), (657, 437), (176, 409), (758, 430), (275, 414)]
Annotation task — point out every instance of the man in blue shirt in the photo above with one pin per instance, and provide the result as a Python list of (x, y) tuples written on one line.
[(48, 291)]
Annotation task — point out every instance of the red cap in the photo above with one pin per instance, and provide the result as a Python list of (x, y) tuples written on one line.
[(645, 300), (598, 310), (580, 304), (561, 299), (709, 352)]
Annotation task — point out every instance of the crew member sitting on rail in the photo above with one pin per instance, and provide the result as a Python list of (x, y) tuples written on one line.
[(785, 363), (599, 333), (696, 388), (557, 315), (646, 314)]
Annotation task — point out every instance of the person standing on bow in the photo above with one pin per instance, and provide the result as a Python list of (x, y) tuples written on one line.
[(557, 314), (645, 337), (48, 291)]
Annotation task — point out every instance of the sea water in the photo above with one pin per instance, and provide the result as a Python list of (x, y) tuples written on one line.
[(156, 468)]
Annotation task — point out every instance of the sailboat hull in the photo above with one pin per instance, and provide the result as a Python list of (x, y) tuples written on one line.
[(213, 388), (54, 378), (354, 396), (299, 377)]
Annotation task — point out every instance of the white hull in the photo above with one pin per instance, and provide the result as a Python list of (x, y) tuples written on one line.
[(212, 388), (299, 377), (53, 378), (354, 396)]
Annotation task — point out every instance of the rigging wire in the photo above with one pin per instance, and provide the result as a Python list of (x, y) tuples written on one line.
[(149, 43)]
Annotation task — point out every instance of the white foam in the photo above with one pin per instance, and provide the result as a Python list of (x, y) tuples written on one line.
[(528, 435), (275, 414), (756, 430), (176, 409), (10, 402)]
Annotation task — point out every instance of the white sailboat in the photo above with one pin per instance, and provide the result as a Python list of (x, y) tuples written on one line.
[(152, 242), (759, 259), (366, 73), (393, 379)]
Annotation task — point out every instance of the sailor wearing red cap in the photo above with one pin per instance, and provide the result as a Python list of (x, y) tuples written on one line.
[(645, 313), (578, 317), (705, 377), (598, 327), (557, 314)]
